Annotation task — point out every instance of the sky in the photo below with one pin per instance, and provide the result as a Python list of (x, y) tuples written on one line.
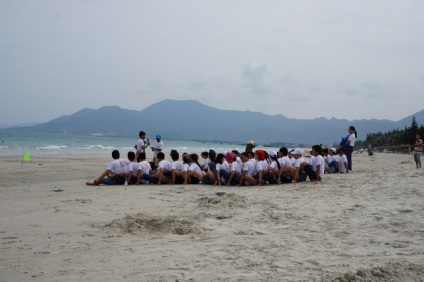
[(304, 59)]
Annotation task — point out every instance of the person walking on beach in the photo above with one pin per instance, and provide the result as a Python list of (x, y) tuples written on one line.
[(418, 149), (350, 143)]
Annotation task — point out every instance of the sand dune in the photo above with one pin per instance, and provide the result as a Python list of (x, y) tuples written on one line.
[(363, 226)]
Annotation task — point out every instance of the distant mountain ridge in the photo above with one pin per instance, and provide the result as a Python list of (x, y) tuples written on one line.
[(191, 120)]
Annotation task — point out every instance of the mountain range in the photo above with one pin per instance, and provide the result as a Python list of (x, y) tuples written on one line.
[(191, 120)]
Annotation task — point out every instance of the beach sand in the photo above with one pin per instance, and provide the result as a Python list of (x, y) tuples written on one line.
[(363, 225)]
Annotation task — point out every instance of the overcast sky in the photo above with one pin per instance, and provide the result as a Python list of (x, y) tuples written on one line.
[(358, 59)]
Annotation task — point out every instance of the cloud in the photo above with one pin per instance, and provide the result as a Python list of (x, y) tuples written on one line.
[(367, 89), (255, 76)]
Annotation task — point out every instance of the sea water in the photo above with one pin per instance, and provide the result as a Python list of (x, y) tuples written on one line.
[(12, 143)]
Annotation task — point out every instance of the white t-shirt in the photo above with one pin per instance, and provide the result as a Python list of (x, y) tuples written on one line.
[(239, 161), (194, 167), (225, 165), (335, 158), (319, 160), (177, 165), (264, 165), (352, 139), (119, 166), (140, 143), (328, 159), (342, 161), (145, 167), (310, 160), (286, 162), (186, 166), (158, 145), (206, 164), (249, 168), (235, 167), (133, 168), (274, 165), (164, 165), (298, 162)]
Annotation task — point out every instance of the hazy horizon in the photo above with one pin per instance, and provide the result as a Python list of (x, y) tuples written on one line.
[(35, 123)]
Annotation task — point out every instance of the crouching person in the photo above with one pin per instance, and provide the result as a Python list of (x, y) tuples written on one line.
[(302, 168), (164, 169), (318, 164), (134, 170), (248, 171), (232, 174)]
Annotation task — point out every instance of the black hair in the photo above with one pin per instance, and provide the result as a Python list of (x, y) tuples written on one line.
[(195, 158), (276, 160), (342, 149), (220, 158), (206, 154), (354, 130), (284, 151), (173, 151), (115, 154), (186, 158), (142, 156), (141, 133), (161, 155), (236, 153), (175, 156), (318, 149), (131, 155), (325, 150)]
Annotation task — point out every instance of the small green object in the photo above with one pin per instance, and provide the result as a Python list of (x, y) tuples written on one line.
[(26, 157)]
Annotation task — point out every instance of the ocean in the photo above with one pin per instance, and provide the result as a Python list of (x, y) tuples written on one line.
[(15, 144)]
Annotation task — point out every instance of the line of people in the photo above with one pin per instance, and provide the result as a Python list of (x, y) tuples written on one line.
[(229, 168)]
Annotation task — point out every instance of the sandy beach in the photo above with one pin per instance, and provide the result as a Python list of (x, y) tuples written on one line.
[(363, 225)]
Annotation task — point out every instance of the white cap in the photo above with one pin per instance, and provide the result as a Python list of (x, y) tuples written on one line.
[(272, 153), (297, 152)]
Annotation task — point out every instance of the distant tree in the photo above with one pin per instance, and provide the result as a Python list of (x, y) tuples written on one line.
[(396, 136)]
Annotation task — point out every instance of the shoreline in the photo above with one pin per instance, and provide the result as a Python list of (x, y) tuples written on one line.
[(54, 227)]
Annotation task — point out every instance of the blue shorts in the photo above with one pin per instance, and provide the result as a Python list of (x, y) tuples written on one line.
[(417, 158)]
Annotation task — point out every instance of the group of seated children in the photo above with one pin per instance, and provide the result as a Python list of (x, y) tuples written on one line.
[(232, 168)]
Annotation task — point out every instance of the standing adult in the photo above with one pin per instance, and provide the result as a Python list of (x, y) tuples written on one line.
[(350, 143), (157, 148), (141, 144)]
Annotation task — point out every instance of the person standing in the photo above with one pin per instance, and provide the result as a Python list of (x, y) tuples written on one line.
[(141, 144), (418, 149), (157, 149), (350, 143)]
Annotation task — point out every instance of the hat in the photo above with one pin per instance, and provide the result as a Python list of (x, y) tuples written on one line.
[(212, 153), (297, 152), (158, 136), (334, 150), (229, 156), (272, 153), (251, 142), (306, 153), (261, 154)]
